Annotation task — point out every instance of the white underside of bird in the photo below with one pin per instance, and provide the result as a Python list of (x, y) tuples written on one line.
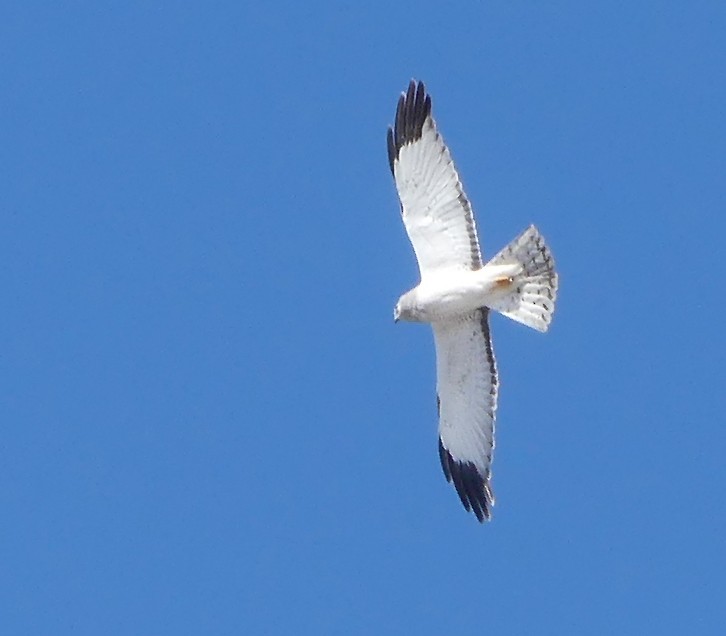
[(456, 292), (452, 294), (516, 282)]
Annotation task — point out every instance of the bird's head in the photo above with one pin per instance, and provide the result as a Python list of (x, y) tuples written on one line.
[(406, 307)]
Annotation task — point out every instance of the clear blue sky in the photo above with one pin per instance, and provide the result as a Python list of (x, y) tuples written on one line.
[(211, 424)]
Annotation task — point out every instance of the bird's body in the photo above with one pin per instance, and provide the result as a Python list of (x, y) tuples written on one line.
[(457, 291), (451, 294)]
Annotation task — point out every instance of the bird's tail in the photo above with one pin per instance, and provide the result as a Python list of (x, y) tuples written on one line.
[(530, 296)]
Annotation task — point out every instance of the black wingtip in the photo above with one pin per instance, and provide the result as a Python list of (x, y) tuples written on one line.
[(392, 152), (414, 106), (470, 484)]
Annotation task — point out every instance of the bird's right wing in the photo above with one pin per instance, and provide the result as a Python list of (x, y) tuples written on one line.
[(466, 378)]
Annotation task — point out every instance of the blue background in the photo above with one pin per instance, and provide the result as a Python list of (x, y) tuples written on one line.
[(211, 425)]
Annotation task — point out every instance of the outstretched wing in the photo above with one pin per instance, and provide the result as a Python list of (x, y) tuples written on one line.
[(467, 393), (436, 212)]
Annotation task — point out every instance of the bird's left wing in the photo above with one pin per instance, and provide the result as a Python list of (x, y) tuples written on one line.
[(466, 383), (436, 212)]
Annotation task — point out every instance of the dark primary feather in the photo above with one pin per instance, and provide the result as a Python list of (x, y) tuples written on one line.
[(414, 106), (470, 485)]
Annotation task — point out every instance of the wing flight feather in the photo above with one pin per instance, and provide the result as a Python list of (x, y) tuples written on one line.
[(467, 395), (437, 215)]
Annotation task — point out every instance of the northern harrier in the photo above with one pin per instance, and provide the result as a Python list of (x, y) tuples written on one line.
[(456, 292)]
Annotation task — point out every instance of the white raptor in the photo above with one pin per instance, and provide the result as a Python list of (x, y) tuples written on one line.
[(457, 291)]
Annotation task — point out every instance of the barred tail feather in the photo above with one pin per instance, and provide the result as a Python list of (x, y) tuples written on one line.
[(532, 293)]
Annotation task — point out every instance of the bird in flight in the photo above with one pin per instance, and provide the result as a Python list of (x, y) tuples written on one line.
[(457, 291)]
